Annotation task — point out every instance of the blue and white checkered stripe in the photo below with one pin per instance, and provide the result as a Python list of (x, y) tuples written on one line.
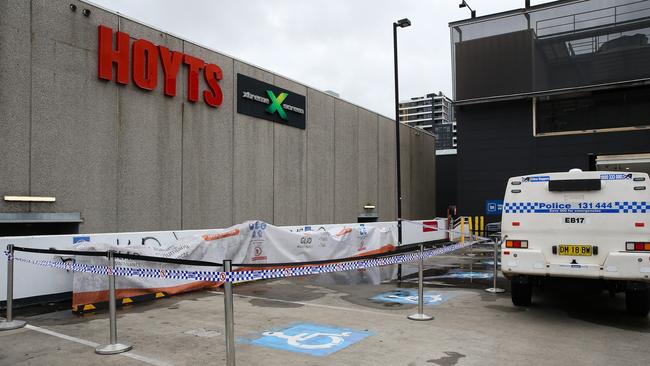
[(68, 265), (520, 207), (345, 266), (246, 275), (616, 207), (632, 207)]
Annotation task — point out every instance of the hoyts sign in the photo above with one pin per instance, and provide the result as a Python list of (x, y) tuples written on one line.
[(146, 57)]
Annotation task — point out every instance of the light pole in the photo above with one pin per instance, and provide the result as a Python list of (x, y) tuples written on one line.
[(464, 4), (402, 23)]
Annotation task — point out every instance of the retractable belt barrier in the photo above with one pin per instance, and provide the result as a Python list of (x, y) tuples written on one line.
[(296, 269), (227, 276)]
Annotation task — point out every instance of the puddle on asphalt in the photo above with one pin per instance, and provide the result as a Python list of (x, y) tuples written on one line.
[(450, 359), (359, 287)]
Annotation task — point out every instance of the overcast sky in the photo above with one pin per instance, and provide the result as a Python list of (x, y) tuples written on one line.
[(340, 45)]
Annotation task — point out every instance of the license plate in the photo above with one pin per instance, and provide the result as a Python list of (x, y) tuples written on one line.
[(580, 250)]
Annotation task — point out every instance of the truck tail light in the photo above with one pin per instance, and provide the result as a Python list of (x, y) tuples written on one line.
[(637, 246), (519, 244)]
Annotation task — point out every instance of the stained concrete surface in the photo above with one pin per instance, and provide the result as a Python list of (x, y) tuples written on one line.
[(571, 327)]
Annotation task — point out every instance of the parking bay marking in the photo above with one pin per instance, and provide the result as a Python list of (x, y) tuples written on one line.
[(311, 339), (132, 355), (410, 297)]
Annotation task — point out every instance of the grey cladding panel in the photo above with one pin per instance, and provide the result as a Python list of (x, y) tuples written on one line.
[(15, 59), (54, 20), (150, 140), (320, 157), (289, 167), (253, 160), (367, 153), (346, 160), (386, 170), (74, 122), (405, 157), (208, 151)]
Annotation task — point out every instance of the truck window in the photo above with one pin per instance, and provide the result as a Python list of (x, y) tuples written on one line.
[(574, 185)]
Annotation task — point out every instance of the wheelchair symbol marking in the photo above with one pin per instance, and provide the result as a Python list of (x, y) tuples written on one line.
[(298, 339)]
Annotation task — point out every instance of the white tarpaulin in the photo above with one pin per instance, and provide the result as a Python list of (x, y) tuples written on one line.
[(251, 242), (35, 281)]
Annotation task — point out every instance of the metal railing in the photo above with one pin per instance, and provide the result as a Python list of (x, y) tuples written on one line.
[(587, 19)]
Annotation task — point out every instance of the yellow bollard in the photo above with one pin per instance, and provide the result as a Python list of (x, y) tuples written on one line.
[(474, 225), (470, 227), (483, 233), (462, 229)]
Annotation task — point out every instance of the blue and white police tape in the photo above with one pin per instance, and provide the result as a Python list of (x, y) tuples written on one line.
[(244, 275)]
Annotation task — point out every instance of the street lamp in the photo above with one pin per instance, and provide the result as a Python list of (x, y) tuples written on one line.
[(464, 4), (402, 23)]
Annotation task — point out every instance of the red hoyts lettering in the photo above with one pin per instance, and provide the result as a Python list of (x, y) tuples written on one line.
[(214, 96), (145, 64), (171, 62), (108, 56), (145, 67), (195, 65)]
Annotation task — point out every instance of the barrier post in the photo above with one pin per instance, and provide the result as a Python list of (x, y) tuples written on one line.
[(494, 289), (420, 316), (113, 347), (462, 229), (10, 323), (471, 232), (229, 316), (470, 228)]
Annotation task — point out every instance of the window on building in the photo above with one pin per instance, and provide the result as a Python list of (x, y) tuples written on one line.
[(593, 110)]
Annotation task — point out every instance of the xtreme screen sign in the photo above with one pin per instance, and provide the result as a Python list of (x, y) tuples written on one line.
[(261, 100)]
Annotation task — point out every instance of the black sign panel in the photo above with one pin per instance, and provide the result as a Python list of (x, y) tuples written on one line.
[(261, 100)]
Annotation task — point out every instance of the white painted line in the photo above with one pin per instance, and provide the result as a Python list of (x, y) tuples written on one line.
[(62, 336), (315, 305), (144, 359), (132, 355)]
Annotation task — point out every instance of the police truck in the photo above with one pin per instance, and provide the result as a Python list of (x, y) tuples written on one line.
[(591, 225)]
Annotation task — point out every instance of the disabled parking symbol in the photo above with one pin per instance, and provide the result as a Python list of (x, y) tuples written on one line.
[(410, 297), (311, 339), (458, 274)]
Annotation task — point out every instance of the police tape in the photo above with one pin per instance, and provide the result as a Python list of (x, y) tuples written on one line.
[(242, 275)]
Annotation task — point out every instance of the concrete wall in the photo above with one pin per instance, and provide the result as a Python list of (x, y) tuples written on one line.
[(132, 160)]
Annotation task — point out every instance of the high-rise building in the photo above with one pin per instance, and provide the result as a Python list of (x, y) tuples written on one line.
[(434, 113)]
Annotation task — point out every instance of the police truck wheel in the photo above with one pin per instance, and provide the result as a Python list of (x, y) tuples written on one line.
[(637, 302), (521, 291)]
